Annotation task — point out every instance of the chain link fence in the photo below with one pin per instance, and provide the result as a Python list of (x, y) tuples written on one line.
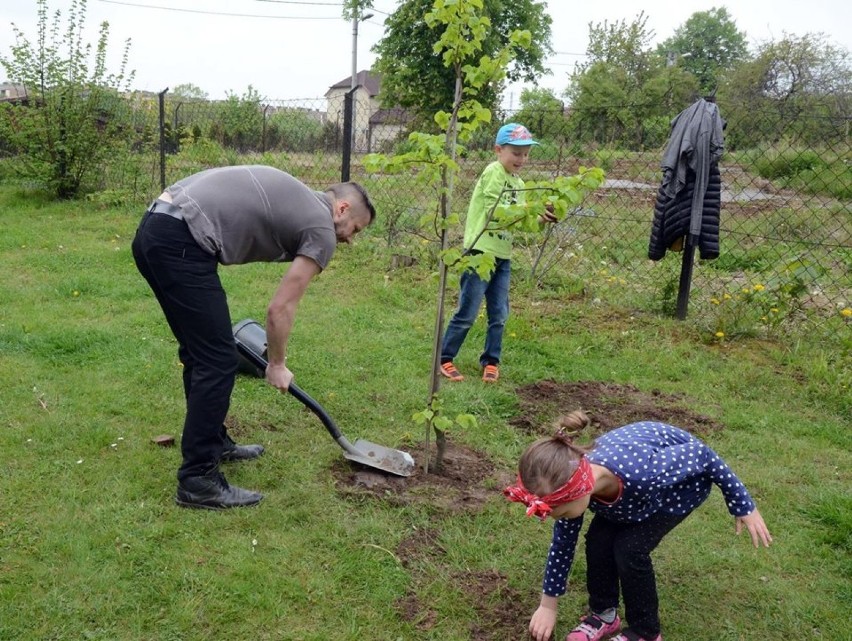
[(786, 222)]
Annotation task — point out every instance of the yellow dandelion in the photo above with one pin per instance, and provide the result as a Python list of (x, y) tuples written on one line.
[(846, 312), (764, 318), (759, 288), (746, 290), (726, 296), (715, 301), (774, 310), (720, 334)]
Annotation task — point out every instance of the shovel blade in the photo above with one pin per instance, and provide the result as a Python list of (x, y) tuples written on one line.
[(381, 457)]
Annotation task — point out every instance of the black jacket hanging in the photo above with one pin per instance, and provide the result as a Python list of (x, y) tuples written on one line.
[(689, 197)]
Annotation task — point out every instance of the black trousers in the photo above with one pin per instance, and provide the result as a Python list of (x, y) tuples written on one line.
[(185, 280), (620, 554)]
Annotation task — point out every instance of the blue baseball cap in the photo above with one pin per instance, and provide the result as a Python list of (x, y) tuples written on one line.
[(514, 134)]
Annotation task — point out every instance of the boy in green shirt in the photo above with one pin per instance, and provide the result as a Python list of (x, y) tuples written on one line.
[(499, 180)]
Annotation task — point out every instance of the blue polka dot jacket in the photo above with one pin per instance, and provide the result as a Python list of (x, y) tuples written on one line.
[(662, 469)]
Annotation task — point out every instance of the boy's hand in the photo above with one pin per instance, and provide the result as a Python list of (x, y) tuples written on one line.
[(547, 216)]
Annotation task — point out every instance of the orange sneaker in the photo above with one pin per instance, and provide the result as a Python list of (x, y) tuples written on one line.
[(449, 370), (490, 374)]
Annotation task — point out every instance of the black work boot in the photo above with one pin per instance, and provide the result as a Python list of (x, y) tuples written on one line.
[(234, 452), (212, 492)]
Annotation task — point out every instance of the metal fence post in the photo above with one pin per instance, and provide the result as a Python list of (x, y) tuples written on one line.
[(347, 135), (162, 101), (263, 135), (685, 277), (176, 129)]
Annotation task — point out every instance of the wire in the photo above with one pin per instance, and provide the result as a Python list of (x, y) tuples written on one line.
[(330, 4), (218, 13)]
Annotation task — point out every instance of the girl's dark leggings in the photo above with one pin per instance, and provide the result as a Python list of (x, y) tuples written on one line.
[(620, 554)]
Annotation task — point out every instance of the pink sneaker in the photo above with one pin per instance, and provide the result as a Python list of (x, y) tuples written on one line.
[(630, 635), (593, 628)]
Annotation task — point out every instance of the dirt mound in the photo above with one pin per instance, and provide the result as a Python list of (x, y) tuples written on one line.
[(609, 405), (469, 478)]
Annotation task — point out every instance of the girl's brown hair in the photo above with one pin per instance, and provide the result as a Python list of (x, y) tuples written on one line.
[(547, 464)]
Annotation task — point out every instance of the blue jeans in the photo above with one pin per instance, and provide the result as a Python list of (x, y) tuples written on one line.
[(495, 290), (185, 281)]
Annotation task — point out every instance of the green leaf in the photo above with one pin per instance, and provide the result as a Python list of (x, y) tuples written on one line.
[(467, 421)]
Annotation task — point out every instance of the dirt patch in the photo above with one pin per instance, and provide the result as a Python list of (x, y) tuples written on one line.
[(468, 480), (422, 543), (238, 429), (609, 405), (496, 606), (495, 603)]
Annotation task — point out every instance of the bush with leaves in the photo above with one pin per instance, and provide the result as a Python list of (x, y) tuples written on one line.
[(238, 122), (293, 129), (73, 117)]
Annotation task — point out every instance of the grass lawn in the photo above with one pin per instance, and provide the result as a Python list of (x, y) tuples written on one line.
[(93, 547)]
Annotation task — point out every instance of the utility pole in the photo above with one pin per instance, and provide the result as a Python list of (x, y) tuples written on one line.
[(356, 18)]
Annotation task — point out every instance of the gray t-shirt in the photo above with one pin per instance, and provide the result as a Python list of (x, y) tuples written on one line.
[(253, 213)]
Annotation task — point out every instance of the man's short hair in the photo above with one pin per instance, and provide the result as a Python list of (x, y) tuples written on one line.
[(353, 189)]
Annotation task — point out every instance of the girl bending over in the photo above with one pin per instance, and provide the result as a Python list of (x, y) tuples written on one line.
[(640, 481)]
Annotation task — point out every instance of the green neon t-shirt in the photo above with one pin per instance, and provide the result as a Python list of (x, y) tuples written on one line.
[(494, 184)]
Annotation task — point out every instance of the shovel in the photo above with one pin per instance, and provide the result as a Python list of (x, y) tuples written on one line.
[(251, 346)]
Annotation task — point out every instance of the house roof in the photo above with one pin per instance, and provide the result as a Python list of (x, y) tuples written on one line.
[(370, 81), (392, 116), (12, 91)]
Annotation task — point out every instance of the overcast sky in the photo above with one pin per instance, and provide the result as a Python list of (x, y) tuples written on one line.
[(289, 49)]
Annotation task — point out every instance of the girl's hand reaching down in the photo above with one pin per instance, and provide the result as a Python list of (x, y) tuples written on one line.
[(756, 528)]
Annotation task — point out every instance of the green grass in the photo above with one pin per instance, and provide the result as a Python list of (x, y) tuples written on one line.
[(92, 546)]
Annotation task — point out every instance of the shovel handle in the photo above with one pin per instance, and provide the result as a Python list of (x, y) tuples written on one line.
[(303, 397)]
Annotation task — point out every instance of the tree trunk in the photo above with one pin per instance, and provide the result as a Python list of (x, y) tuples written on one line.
[(446, 196)]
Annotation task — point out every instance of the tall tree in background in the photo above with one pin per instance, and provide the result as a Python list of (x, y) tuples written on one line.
[(415, 77), (188, 91), (705, 45), (622, 44), (799, 88), (356, 8), (542, 112), (624, 94)]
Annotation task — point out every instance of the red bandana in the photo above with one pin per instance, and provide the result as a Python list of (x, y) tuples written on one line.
[(581, 483)]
